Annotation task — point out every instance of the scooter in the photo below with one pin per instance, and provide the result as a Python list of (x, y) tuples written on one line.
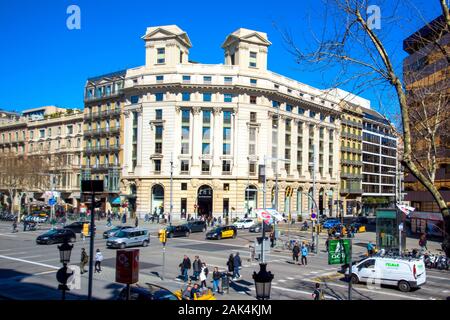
[(442, 263)]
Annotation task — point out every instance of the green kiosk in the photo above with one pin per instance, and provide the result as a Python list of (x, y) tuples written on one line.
[(390, 232)]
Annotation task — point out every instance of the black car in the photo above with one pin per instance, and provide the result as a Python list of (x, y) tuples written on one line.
[(178, 231), (56, 236), (361, 220), (77, 227), (257, 228), (151, 292), (222, 232), (111, 232), (197, 226)]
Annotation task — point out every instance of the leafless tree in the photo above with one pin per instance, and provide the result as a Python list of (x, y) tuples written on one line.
[(363, 55)]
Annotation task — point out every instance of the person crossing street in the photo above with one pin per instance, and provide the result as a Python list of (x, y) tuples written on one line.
[(185, 265), (236, 266), (84, 260), (98, 261), (196, 267), (304, 254), (295, 253)]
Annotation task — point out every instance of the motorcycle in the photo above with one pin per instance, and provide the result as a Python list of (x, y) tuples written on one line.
[(442, 263)]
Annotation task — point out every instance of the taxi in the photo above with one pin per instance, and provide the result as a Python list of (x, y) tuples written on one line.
[(203, 295), (222, 233)]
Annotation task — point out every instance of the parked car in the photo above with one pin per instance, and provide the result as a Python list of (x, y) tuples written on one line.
[(178, 231), (56, 236), (258, 227), (222, 232), (330, 223), (109, 233), (197, 226), (147, 293), (129, 238), (244, 223), (77, 226)]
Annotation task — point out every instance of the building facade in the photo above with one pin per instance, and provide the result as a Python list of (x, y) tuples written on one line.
[(55, 132), (426, 73), (210, 126), (381, 171)]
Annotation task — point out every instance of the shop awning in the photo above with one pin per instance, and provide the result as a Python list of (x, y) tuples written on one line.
[(435, 216), (75, 195), (116, 201)]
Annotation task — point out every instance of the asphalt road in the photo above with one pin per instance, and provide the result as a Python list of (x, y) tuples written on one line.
[(27, 270)]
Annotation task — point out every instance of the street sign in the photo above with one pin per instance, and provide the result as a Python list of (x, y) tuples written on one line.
[(339, 251), (266, 217), (313, 216), (52, 201), (127, 266)]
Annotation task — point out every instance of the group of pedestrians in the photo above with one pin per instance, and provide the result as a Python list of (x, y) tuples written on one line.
[(297, 250), (85, 260), (234, 264)]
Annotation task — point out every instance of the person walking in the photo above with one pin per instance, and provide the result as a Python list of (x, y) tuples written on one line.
[(304, 254), (84, 260), (185, 265), (203, 275), (295, 252), (124, 218), (230, 264), (196, 267), (136, 222), (216, 279), (219, 221), (318, 293), (423, 242), (236, 266), (327, 243), (14, 227), (109, 222), (272, 239), (98, 261), (146, 217)]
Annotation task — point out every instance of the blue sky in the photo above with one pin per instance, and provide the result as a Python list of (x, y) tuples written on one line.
[(44, 63)]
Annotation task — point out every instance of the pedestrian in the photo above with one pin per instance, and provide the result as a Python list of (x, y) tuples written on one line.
[(147, 217), (84, 260), (219, 220), (318, 293), (230, 264), (203, 275), (304, 254), (423, 242), (370, 249), (124, 218), (195, 291), (25, 225), (185, 265), (236, 266), (216, 278), (109, 222), (196, 267), (327, 243), (272, 239), (136, 222), (98, 261), (295, 252), (14, 227)]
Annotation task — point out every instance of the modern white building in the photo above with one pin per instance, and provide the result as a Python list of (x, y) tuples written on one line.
[(216, 123)]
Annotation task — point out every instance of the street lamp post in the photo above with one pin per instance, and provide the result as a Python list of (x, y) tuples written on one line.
[(263, 282), (171, 189), (62, 276)]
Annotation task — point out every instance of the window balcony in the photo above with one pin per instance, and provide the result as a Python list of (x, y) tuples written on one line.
[(351, 162), (353, 150), (102, 96), (351, 123), (352, 176), (351, 191)]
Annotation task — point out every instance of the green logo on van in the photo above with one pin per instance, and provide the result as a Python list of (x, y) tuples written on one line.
[(396, 265)]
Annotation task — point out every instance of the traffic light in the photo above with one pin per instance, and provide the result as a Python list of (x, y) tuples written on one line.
[(162, 236)]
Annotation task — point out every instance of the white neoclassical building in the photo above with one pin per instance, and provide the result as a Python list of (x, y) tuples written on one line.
[(215, 123)]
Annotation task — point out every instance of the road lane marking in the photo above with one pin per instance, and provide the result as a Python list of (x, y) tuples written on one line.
[(442, 278), (8, 235), (30, 262), (5, 250), (298, 291)]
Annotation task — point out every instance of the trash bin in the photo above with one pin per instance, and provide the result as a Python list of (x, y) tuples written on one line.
[(225, 283)]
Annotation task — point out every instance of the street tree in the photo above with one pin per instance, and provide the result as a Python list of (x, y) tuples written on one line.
[(359, 51)]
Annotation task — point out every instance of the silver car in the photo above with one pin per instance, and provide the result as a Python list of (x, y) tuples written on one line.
[(129, 238)]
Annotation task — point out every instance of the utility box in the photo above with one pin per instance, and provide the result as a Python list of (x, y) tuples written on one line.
[(388, 225)]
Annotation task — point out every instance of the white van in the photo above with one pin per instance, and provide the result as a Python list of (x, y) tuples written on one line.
[(404, 273)]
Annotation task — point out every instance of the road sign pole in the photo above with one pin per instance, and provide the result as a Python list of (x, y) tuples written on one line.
[(164, 261), (350, 271), (91, 248)]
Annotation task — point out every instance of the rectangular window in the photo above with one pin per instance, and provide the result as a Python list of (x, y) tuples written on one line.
[(312, 114), (158, 114), (185, 133), (205, 166), (185, 148), (252, 60), (185, 114), (206, 133), (253, 82), (159, 79), (158, 147), (207, 96), (184, 167), (49, 132), (186, 96), (288, 108), (228, 80), (41, 133), (206, 148), (226, 166), (159, 96), (207, 79), (158, 132), (252, 116), (134, 99), (301, 111), (252, 168), (226, 148), (252, 99), (69, 129), (275, 104), (157, 165), (227, 117), (161, 55), (184, 185), (227, 134), (228, 97), (186, 79)]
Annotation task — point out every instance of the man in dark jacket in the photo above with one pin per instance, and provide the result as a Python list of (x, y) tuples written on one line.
[(196, 267), (295, 252), (84, 260), (185, 265), (236, 265)]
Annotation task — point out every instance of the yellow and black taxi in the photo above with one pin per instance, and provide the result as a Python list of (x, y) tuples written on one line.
[(222, 233)]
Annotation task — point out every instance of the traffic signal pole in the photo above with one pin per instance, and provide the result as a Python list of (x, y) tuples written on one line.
[(91, 248)]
